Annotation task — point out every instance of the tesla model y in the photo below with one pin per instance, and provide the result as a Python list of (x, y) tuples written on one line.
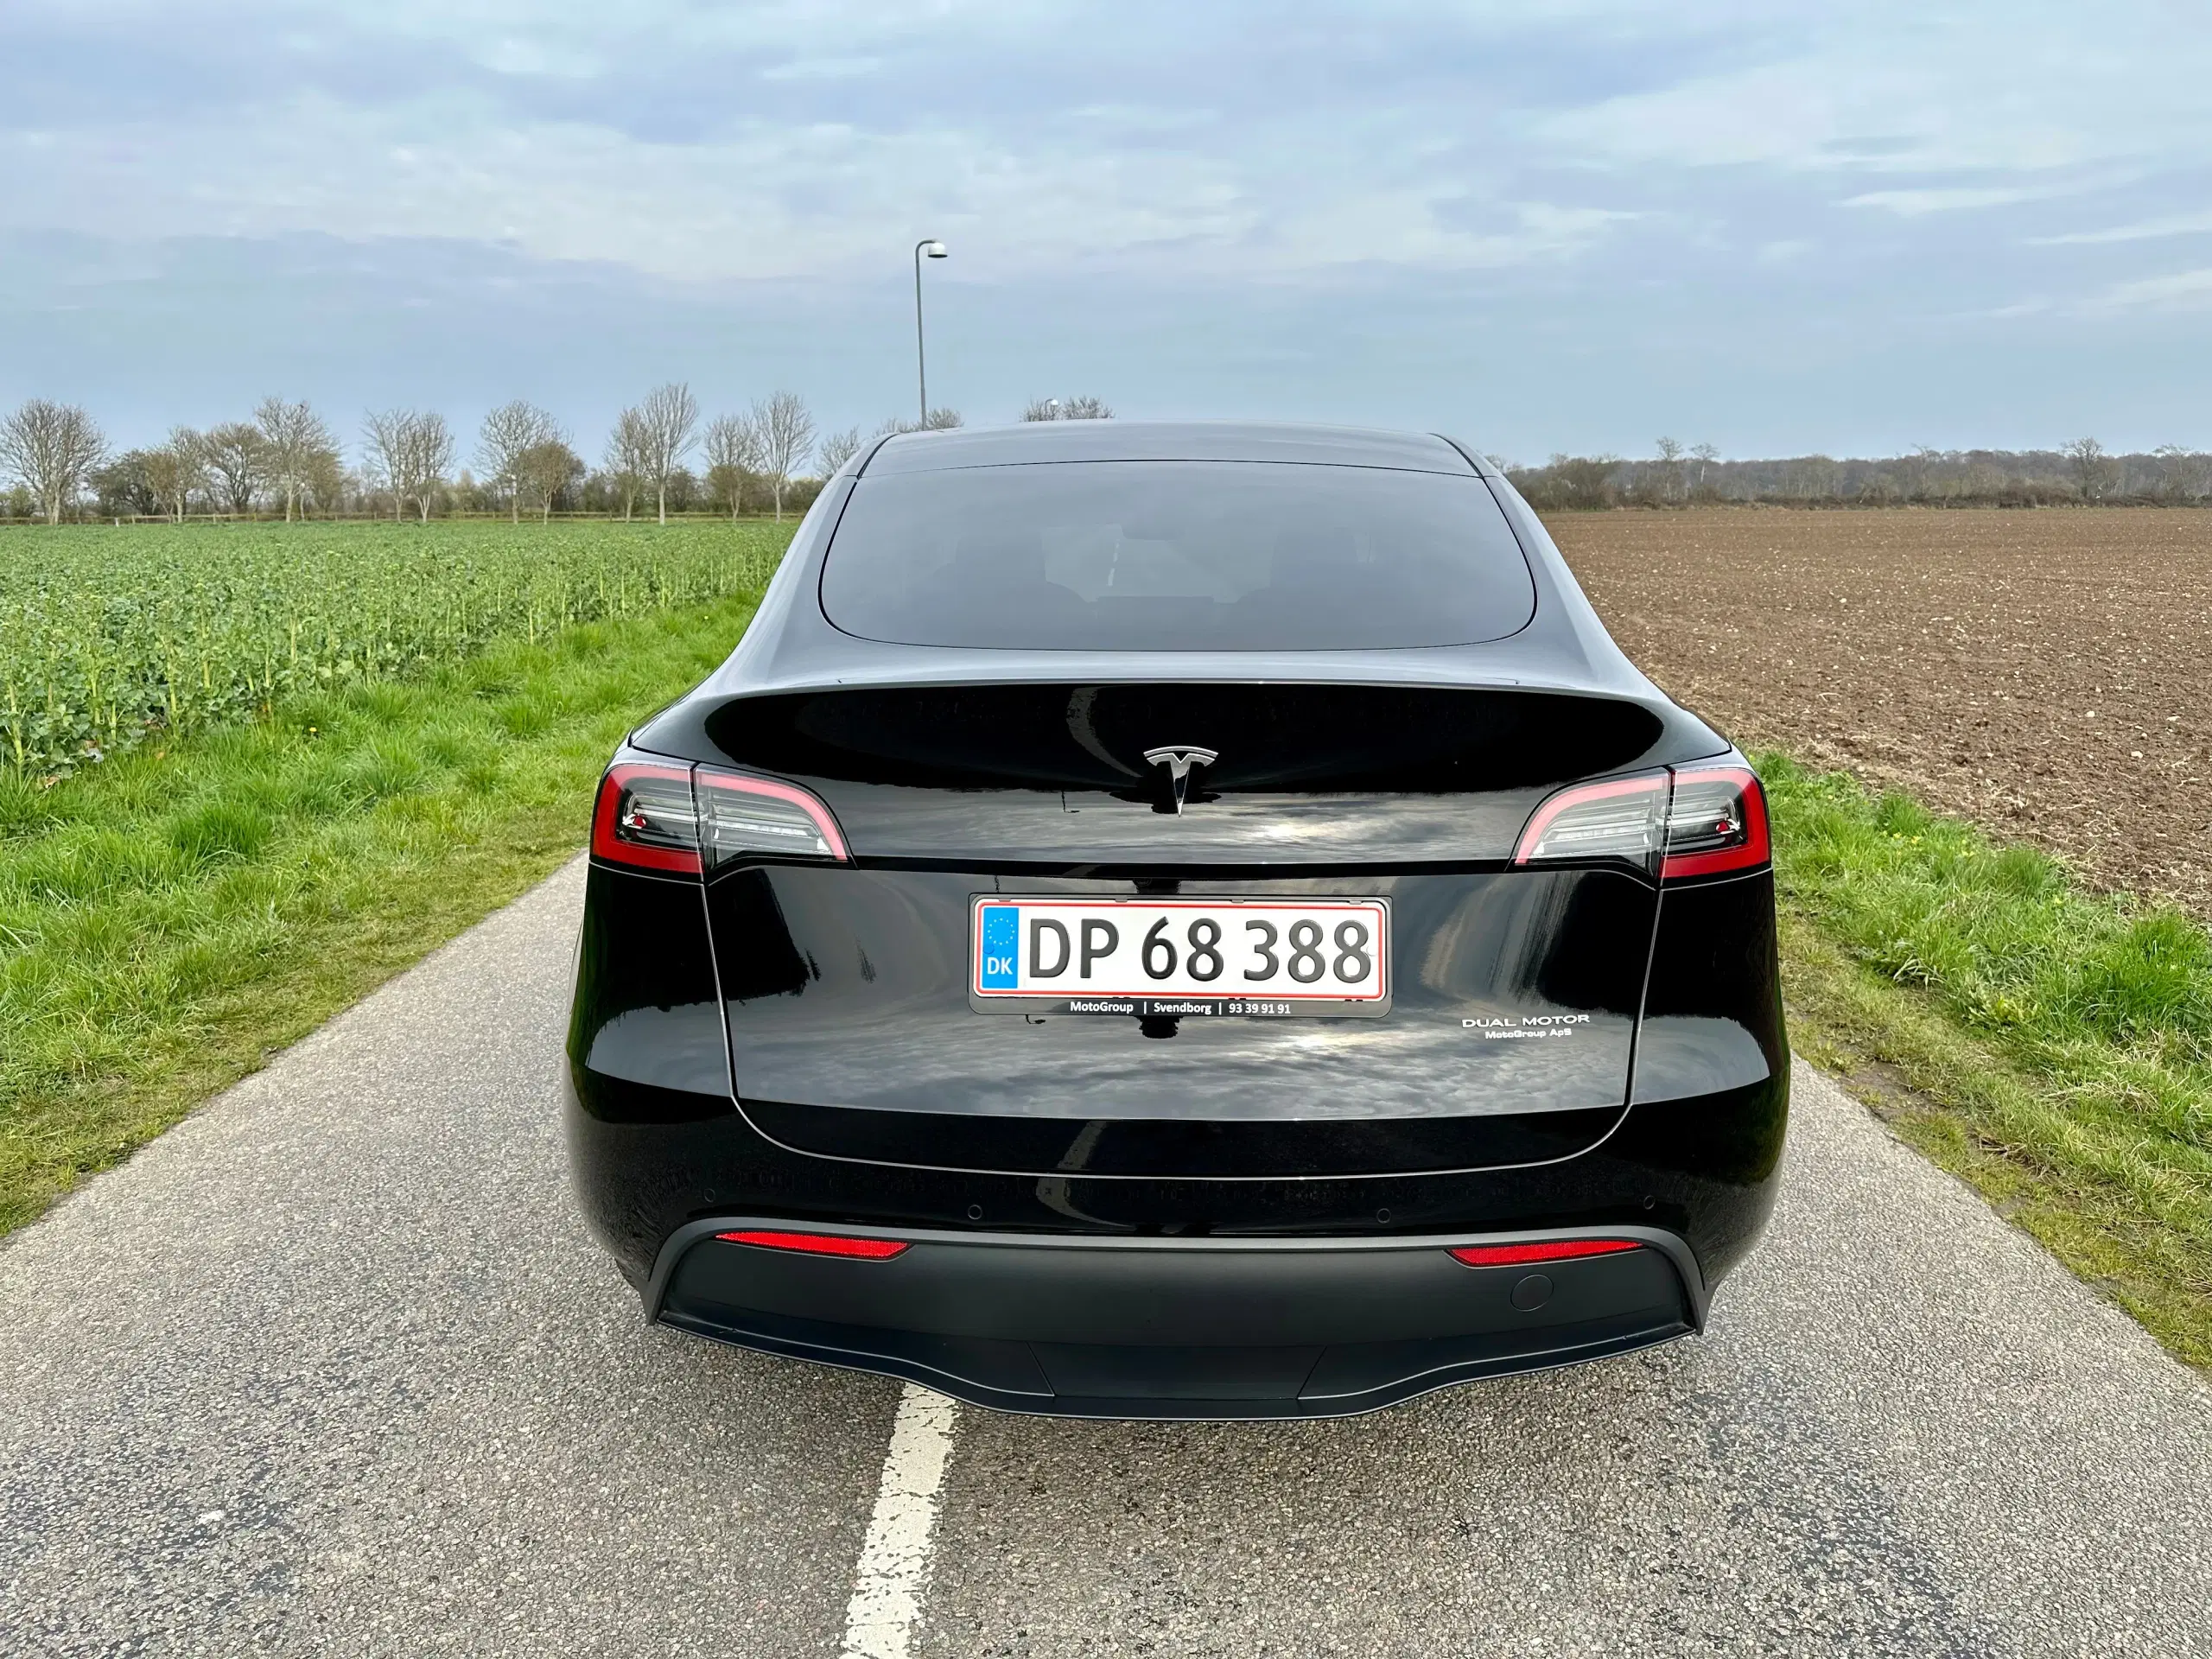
[(1190, 920)]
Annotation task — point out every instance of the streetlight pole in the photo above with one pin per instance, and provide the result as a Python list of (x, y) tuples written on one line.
[(935, 250)]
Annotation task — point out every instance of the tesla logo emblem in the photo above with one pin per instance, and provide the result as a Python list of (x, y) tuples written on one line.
[(1179, 759)]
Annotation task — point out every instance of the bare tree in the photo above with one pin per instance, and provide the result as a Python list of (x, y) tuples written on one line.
[(2093, 467), (432, 455), (50, 448), (1705, 455), (294, 443), (509, 432), (1813, 478), (326, 481), (547, 468), (234, 453), (412, 451), (2182, 476), (836, 449), (940, 420), (1085, 407), (384, 449), (786, 432), (121, 485), (670, 420), (1670, 469), (629, 449), (178, 470), (732, 456), (1917, 469)]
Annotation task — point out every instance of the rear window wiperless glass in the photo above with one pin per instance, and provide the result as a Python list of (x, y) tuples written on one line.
[(1176, 556)]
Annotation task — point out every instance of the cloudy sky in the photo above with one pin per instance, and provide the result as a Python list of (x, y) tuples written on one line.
[(1580, 224)]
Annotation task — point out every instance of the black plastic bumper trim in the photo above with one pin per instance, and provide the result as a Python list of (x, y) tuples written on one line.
[(1208, 1327)]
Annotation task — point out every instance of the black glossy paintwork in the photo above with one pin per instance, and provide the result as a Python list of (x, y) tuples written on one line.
[(1712, 1015), (1704, 1169), (1175, 1147), (1272, 739), (881, 1020), (646, 1009), (1056, 771)]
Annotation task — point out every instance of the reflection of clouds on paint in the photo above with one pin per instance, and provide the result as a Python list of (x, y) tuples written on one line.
[(1408, 1065), (678, 1047), (1678, 1055)]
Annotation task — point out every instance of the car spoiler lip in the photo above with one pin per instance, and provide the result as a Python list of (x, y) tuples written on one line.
[(679, 730), (654, 1291)]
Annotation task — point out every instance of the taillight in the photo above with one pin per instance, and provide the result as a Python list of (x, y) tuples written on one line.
[(1557, 1249), (1717, 823), (1619, 817), (865, 1250), (658, 817), (1694, 821), (645, 818), (742, 817)]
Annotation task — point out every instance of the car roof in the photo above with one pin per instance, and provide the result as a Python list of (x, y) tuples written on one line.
[(1036, 442)]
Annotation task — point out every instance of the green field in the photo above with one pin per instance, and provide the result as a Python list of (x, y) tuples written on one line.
[(2050, 1045), (220, 884), (110, 638)]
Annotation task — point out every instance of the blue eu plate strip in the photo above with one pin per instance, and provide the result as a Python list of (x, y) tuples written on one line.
[(1000, 970)]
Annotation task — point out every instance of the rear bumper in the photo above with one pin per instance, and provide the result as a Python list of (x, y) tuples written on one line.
[(1178, 1328)]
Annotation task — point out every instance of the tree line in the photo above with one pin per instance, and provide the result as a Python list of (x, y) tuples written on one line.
[(663, 455), (2080, 472)]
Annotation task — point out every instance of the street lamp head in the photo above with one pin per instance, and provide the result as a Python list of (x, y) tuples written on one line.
[(933, 250)]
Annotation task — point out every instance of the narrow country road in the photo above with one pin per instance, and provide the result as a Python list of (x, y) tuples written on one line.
[(332, 1368)]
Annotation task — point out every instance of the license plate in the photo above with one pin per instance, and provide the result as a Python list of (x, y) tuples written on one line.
[(1154, 957)]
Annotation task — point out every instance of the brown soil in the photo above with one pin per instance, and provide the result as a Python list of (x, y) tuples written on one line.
[(2045, 673)]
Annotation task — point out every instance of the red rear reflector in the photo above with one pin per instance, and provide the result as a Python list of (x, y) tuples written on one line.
[(1557, 1249), (645, 818), (1716, 823), (868, 1249)]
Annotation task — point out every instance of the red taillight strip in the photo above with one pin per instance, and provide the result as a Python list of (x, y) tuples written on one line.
[(867, 1250), (607, 843), (1557, 1249), (1757, 848), (791, 794)]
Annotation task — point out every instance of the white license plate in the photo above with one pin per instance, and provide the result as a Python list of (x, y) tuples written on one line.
[(1167, 957)]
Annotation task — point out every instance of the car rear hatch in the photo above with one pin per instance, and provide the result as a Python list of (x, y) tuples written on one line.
[(1498, 1026)]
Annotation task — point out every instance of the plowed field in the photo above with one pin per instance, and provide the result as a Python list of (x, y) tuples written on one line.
[(2048, 674)]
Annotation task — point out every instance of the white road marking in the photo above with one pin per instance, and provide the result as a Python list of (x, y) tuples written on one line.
[(894, 1564)]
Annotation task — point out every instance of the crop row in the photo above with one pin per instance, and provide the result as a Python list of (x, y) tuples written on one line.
[(110, 637)]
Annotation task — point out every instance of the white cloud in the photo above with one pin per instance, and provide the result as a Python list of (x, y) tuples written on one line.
[(1917, 204), (2184, 290), (2142, 231), (1995, 86), (760, 198)]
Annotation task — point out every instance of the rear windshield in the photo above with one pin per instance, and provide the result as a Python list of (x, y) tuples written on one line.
[(1176, 556)]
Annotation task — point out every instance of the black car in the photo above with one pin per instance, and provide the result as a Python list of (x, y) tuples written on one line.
[(1177, 920)]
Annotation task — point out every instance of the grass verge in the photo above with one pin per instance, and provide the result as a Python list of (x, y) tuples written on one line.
[(2051, 1047), (171, 920)]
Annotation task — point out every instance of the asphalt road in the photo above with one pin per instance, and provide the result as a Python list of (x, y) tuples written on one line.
[(333, 1367)]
